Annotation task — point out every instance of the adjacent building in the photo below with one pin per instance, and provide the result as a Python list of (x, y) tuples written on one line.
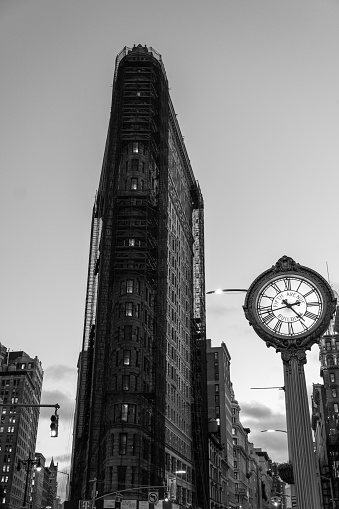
[(141, 392), (325, 416), (20, 383), (220, 395)]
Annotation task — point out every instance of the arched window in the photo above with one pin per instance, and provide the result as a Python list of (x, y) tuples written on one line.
[(330, 361)]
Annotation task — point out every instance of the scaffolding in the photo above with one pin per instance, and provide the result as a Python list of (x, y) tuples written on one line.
[(126, 307)]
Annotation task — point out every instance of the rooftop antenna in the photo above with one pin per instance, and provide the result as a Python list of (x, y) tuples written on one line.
[(328, 275)]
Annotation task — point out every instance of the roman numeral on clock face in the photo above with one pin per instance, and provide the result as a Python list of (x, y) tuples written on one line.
[(310, 315), (276, 287), (268, 318), (308, 293), (265, 309), (277, 326), (287, 284)]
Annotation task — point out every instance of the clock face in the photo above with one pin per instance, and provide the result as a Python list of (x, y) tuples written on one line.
[(289, 306)]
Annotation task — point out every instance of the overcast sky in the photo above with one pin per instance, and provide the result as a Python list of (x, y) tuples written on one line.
[(255, 84)]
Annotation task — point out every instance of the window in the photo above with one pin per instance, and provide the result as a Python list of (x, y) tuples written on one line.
[(235, 464), (216, 387), (236, 476), (123, 443), (235, 441), (337, 345), (234, 431), (128, 332), (330, 361), (127, 357), (131, 242), (334, 393), (328, 345), (135, 164), (332, 377), (124, 412), (125, 383), (136, 145), (128, 308), (335, 407), (134, 184), (121, 477), (129, 285)]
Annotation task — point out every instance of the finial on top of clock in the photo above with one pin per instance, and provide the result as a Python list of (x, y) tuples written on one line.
[(285, 263)]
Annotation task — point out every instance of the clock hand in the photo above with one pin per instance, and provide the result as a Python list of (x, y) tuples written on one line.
[(272, 310), (298, 314), (289, 306)]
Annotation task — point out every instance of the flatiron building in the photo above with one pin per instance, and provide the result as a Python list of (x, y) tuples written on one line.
[(141, 410)]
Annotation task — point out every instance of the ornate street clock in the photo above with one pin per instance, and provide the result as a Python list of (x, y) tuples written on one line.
[(289, 305)]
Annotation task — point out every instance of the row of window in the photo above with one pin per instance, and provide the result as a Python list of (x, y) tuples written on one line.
[(332, 361), (329, 345)]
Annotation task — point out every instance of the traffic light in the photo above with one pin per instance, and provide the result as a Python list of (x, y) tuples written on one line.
[(54, 424)]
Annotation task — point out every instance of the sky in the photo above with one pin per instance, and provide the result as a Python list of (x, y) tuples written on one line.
[(255, 85)]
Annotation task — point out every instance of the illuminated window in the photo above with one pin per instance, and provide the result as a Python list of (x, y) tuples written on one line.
[(136, 146), (134, 183), (127, 357), (334, 393), (332, 377), (129, 285), (124, 412), (335, 407), (128, 308)]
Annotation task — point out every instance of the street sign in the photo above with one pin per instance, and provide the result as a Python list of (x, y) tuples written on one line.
[(153, 497), (109, 504)]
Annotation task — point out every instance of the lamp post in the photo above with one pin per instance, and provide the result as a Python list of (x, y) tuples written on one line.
[(28, 464)]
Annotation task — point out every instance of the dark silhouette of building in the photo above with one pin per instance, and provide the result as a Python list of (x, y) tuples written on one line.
[(21, 382), (141, 396), (325, 416)]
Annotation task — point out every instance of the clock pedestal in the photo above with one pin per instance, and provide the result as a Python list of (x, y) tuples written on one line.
[(300, 442)]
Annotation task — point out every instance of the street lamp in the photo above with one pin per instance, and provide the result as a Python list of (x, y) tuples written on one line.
[(28, 464), (227, 290), (272, 430)]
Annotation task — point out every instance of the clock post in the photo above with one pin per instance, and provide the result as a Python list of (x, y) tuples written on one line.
[(290, 306)]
